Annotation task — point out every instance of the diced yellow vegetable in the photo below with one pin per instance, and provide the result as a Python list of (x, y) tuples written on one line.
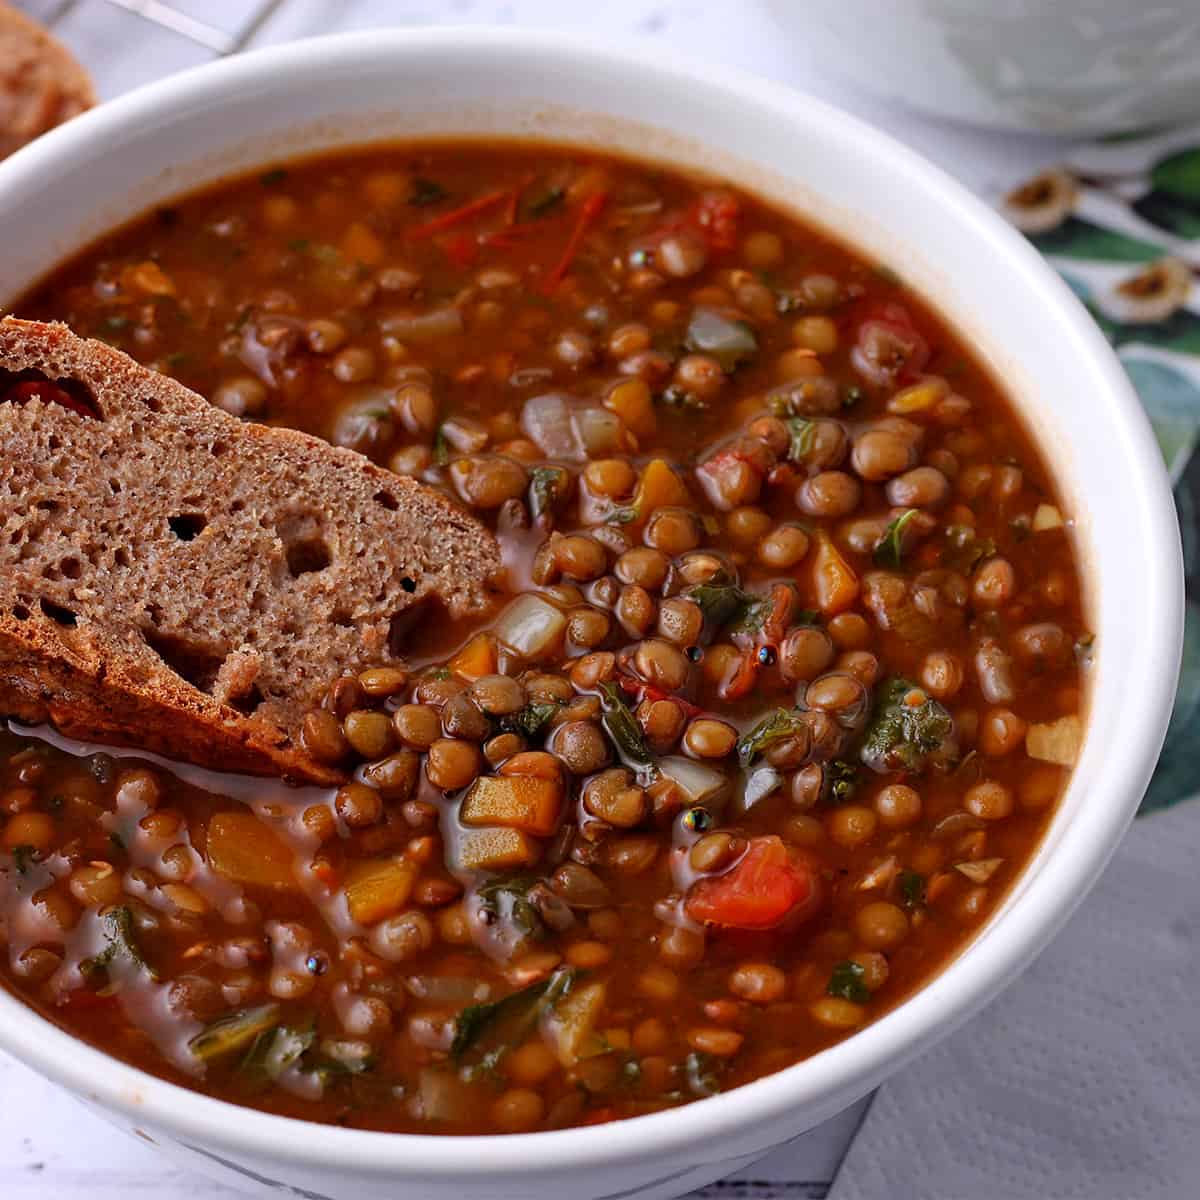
[(147, 277), (475, 659), (834, 579), (1055, 742), (1046, 516), (919, 397), (571, 1024), (518, 801), (379, 889), (631, 401), (658, 487), (244, 850), (496, 849), (360, 243)]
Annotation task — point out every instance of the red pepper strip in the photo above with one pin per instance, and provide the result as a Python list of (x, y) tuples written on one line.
[(589, 211), (741, 682), (48, 393), (460, 248), (645, 691), (456, 216), (507, 238), (783, 601)]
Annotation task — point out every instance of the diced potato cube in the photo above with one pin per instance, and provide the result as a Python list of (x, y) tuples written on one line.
[(519, 801), (242, 849), (379, 889), (496, 849), (1046, 516), (1055, 742), (572, 1024)]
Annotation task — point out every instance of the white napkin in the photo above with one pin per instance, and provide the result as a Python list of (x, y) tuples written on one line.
[(1082, 1081)]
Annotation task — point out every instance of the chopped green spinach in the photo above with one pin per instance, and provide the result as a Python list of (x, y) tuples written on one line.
[(621, 725), (891, 548), (776, 726), (846, 981), (904, 736)]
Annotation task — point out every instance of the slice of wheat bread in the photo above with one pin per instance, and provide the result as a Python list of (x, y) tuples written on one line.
[(175, 579), (41, 84)]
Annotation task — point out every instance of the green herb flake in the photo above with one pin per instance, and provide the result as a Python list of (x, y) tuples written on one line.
[(621, 725), (852, 396), (506, 899), (776, 726), (440, 674), (890, 551), (842, 780), (272, 177), (703, 1073), (903, 736), (547, 489), (965, 551), (121, 943), (802, 436), (276, 1050), (441, 448), (115, 322), (23, 857), (680, 399), (425, 192), (531, 719), (506, 1022), (118, 843), (234, 1031), (912, 889), (846, 981), (547, 202)]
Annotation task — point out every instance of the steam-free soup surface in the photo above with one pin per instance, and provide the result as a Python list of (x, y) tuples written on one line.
[(784, 681)]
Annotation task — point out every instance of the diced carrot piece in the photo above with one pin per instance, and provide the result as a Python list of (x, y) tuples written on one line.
[(631, 401), (835, 581), (361, 243), (496, 849), (532, 762), (518, 801), (475, 659), (659, 487), (244, 850), (378, 889), (147, 277)]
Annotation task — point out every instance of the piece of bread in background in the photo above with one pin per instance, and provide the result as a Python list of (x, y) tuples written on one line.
[(41, 84), (174, 579)]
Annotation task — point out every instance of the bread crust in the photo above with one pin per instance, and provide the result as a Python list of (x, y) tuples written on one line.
[(41, 84), (203, 641)]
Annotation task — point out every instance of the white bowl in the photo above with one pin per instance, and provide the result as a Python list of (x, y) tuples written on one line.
[(147, 147), (1063, 66)]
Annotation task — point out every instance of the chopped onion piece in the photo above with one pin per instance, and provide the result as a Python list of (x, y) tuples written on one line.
[(423, 327), (599, 431), (980, 871), (879, 875), (531, 627), (760, 783), (696, 781), (1046, 516), (1056, 741), (442, 1095), (547, 421), (954, 824)]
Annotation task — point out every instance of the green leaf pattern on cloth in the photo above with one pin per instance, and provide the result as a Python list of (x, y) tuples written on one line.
[(1121, 222)]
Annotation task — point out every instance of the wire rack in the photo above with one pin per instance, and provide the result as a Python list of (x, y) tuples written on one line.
[(219, 41)]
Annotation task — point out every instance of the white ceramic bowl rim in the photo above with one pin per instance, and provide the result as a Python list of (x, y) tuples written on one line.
[(964, 986)]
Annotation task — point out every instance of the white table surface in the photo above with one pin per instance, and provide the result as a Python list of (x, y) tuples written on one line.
[(50, 1147)]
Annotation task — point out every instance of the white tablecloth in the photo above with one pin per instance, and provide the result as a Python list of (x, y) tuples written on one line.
[(50, 1147)]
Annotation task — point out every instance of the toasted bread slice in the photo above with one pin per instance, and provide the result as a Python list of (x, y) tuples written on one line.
[(175, 579), (41, 84)]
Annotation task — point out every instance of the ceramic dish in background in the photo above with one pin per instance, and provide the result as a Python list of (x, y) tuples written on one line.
[(206, 124), (1067, 67)]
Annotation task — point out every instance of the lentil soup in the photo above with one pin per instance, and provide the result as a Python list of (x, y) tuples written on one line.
[(783, 683)]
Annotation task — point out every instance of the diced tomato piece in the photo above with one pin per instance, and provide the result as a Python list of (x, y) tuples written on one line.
[(765, 888), (645, 691), (896, 320), (717, 214)]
